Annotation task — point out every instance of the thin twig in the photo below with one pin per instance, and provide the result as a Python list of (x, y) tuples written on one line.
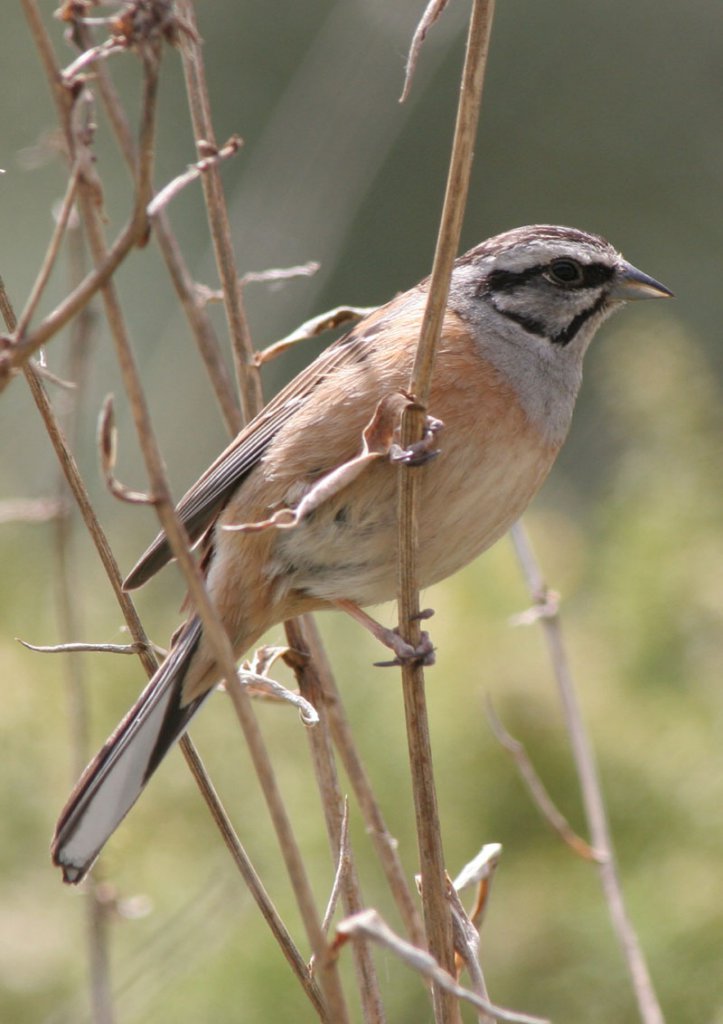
[(248, 379), (275, 276), (51, 254), (309, 676), (92, 56), (66, 459), (466, 947), (97, 914), (432, 12), (141, 642), (480, 871), (296, 869), (255, 884), (384, 843), (80, 648), (312, 328), (368, 925), (195, 171), (590, 787), (21, 348), (266, 688), (108, 446), (53, 378), (194, 309), (201, 326), (436, 910), (251, 402), (536, 788), (342, 865), (214, 631)]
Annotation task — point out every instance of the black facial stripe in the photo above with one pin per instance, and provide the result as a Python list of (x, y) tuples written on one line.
[(530, 323), (596, 274), (509, 280), (565, 336), (593, 276)]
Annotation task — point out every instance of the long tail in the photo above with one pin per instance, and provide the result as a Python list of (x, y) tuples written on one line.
[(115, 778)]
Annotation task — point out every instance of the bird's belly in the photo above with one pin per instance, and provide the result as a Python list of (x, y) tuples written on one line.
[(347, 549)]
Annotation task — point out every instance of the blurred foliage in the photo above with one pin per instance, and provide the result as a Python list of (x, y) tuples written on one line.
[(604, 116)]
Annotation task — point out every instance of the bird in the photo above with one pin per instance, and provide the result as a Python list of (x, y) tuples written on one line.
[(522, 309)]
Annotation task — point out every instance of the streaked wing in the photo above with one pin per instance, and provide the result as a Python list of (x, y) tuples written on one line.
[(202, 503)]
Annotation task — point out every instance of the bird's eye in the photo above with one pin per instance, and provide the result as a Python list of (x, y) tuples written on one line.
[(565, 272)]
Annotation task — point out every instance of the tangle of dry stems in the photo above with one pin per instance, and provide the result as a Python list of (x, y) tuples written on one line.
[(145, 28)]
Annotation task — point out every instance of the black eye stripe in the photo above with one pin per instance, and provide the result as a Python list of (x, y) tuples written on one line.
[(593, 275), (509, 280)]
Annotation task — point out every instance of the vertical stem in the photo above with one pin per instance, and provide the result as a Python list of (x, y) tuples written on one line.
[(249, 381), (434, 884), (310, 673), (179, 273), (97, 910), (384, 842)]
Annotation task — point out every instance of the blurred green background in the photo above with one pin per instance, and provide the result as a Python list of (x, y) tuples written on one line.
[(603, 116)]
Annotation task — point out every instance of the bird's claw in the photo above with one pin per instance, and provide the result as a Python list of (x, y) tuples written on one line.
[(420, 452), (406, 653)]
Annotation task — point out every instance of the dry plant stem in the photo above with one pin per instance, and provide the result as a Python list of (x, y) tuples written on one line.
[(328, 974), (52, 252), (342, 862), (193, 308), (129, 370), (195, 171), (68, 607), (24, 347), (256, 887), (80, 648), (213, 629), (252, 879), (455, 198), (595, 812), (540, 797), (432, 12), (248, 380), (242, 705), (383, 841), (466, 944), (28, 345), (96, 912), (311, 328), (308, 672), (370, 926), (436, 911), (145, 652), (251, 403)]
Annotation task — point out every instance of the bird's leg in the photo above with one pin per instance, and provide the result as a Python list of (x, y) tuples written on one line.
[(403, 651)]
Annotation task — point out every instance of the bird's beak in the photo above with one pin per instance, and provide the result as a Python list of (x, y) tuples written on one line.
[(634, 284)]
